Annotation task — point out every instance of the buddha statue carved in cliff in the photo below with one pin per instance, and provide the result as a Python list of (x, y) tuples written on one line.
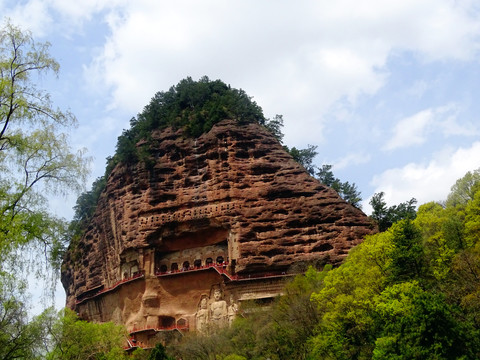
[(202, 315), (218, 309), (232, 310)]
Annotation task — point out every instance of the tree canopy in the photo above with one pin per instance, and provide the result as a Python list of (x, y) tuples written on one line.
[(464, 189), (20, 337), (36, 160), (386, 216), (194, 106), (75, 339), (35, 157)]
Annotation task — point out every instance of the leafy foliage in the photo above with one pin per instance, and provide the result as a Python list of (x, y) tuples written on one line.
[(87, 201), (407, 256), (20, 338), (386, 216), (418, 324), (347, 191), (52, 335), (77, 339), (194, 106), (35, 158), (158, 353), (464, 189), (274, 126), (304, 157)]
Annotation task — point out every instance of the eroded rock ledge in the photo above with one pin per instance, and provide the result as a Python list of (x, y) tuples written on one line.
[(232, 197)]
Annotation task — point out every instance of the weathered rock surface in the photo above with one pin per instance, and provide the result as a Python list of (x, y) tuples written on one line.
[(232, 196)]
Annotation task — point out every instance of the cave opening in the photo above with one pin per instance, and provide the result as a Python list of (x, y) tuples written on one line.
[(191, 258)]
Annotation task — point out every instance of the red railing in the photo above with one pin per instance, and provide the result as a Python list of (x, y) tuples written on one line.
[(160, 328), (191, 269), (134, 344), (111, 288), (222, 270), (260, 276)]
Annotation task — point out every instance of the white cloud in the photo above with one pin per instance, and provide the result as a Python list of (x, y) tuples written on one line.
[(299, 57), (72, 10), (450, 126), (418, 89), (33, 15), (427, 181), (295, 58), (43, 17), (415, 129), (411, 130), (357, 158)]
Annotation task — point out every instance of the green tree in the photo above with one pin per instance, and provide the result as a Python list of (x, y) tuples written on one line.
[(304, 157), (20, 337), (292, 320), (380, 211), (75, 339), (418, 324), (407, 256), (464, 189), (325, 175), (234, 357), (385, 216), (351, 194), (194, 106), (87, 201), (216, 345), (158, 353), (472, 221), (275, 126), (441, 240), (348, 192), (346, 302), (35, 158), (464, 284)]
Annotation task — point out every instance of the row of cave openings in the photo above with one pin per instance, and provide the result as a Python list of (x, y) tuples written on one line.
[(186, 265), (179, 260)]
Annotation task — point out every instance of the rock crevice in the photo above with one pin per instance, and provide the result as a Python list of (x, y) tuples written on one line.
[(231, 199)]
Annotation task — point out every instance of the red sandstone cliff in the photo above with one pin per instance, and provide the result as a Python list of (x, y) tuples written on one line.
[(233, 195)]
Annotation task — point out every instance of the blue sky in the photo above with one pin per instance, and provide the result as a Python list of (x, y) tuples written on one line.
[(387, 90)]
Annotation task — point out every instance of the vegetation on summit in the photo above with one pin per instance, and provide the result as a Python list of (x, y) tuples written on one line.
[(195, 107)]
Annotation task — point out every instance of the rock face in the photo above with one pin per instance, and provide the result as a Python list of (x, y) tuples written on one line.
[(209, 223)]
